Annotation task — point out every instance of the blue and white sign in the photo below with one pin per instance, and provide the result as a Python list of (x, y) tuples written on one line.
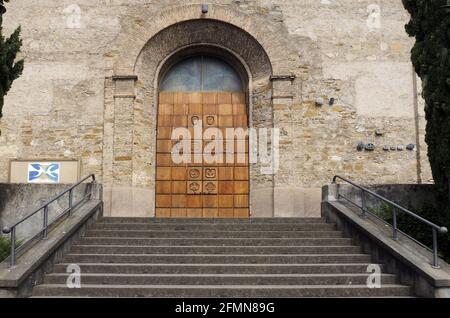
[(48, 172)]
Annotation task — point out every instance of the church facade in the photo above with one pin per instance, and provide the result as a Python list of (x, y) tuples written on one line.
[(107, 82)]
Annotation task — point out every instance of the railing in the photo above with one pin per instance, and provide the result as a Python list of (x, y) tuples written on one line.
[(45, 209), (364, 191)]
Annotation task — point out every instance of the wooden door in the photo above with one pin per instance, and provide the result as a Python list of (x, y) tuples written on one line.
[(209, 190)]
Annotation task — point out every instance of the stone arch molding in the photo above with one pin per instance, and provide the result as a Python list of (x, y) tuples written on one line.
[(135, 36), (218, 37)]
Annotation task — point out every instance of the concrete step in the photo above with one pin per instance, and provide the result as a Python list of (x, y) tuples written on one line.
[(118, 268), (215, 226), (127, 257), (217, 259), (221, 291), (237, 250), (209, 221), (214, 234), (216, 241), (220, 279)]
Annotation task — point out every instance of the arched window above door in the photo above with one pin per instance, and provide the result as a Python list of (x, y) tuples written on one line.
[(201, 74)]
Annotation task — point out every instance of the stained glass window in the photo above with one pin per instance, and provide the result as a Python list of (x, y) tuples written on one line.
[(201, 73)]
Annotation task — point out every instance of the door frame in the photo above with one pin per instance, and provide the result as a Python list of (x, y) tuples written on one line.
[(220, 52)]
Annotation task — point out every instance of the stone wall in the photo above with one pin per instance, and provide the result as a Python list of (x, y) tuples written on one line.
[(88, 91), (414, 197), (17, 201)]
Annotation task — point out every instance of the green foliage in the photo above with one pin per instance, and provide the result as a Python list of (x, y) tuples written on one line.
[(430, 25), (383, 211), (423, 233), (417, 229), (5, 246), (10, 69)]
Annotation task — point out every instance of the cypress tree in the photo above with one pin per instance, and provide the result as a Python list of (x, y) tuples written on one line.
[(430, 25), (10, 69)]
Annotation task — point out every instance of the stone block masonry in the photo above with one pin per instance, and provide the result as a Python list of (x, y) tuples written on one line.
[(89, 91)]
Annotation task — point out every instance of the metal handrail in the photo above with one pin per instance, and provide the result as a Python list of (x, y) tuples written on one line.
[(435, 228), (45, 208)]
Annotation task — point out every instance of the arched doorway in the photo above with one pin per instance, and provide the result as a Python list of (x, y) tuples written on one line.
[(162, 51), (203, 93)]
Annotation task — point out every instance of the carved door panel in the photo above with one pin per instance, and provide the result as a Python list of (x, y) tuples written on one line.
[(206, 188)]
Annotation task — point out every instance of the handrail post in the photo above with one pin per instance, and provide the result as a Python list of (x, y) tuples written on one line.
[(363, 204), (45, 233), (435, 250), (13, 247), (333, 193), (394, 224), (70, 202), (93, 187)]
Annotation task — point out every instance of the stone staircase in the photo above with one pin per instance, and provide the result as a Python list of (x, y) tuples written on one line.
[(128, 257)]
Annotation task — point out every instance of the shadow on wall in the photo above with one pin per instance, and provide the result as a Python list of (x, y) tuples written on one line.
[(418, 198), (20, 200), (410, 196)]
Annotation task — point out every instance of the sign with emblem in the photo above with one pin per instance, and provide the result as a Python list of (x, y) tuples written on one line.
[(44, 171)]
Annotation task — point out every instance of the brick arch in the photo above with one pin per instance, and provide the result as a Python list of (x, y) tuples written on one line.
[(134, 36), (189, 35), (203, 32)]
